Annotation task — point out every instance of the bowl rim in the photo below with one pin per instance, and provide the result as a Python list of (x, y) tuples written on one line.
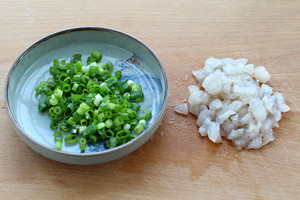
[(90, 154)]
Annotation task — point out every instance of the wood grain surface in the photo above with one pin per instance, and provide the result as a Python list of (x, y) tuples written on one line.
[(176, 163)]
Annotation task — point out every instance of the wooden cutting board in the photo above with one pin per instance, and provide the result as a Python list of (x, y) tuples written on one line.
[(176, 163)]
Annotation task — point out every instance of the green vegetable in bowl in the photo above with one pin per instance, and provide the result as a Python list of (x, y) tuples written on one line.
[(91, 104)]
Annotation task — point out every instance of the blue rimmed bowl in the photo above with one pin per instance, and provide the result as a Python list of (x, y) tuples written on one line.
[(135, 59)]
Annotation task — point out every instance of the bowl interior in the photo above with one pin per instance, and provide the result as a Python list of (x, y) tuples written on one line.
[(128, 55)]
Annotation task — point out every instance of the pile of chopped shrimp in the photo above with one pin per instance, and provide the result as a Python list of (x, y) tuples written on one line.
[(235, 103)]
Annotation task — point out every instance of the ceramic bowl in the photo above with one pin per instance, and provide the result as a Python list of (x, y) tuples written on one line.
[(136, 60)]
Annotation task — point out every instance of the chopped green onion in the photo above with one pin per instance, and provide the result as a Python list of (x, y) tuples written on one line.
[(124, 116), (118, 121), (58, 136), (84, 79), (118, 74), (69, 110), (75, 58), (82, 143), (76, 97), (147, 114), (126, 127), (136, 87), (54, 124), (68, 80), (58, 140), (90, 60), (58, 145), (66, 87), (83, 107), (100, 125), (91, 129), (42, 106), (43, 84), (71, 139), (53, 100), (75, 86), (101, 116), (113, 142), (83, 122), (91, 103), (64, 127), (96, 54), (109, 123), (51, 83), (137, 96), (58, 110), (126, 95), (108, 113), (62, 77), (109, 66), (109, 133), (71, 121), (130, 83), (138, 129), (134, 122), (98, 99), (82, 129), (77, 116), (47, 91), (142, 122), (58, 93), (73, 131), (122, 134), (142, 116), (77, 77), (136, 107), (39, 90), (92, 138), (93, 70), (95, 114)]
